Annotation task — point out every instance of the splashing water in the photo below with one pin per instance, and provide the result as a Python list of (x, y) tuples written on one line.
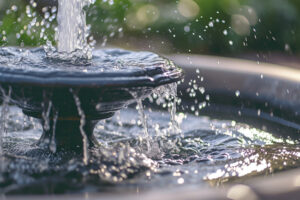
[(166, 96), (207, 150), (214, 151), (144, 121)]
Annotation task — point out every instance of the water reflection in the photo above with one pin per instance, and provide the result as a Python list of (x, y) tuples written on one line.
[(212, 151)]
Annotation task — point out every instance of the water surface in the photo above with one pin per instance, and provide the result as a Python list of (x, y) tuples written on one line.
[(207, 152), (104, 60)]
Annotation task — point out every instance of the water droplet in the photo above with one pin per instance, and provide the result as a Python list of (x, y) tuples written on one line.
[(187, 29), (258, 112), (180, 181)]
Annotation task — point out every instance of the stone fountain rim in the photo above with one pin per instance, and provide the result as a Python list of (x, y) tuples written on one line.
[(151, 77)]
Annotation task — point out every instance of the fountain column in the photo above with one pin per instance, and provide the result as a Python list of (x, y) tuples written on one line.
[(64, 134)]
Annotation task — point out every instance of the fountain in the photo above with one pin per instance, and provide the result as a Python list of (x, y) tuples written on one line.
[(79, 95), (71, 97), (62, 97)]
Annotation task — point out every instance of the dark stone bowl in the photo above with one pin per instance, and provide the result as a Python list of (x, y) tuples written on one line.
[(70, 103)]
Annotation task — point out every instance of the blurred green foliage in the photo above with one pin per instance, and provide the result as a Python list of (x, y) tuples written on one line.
[(16, 20), (199, 26)]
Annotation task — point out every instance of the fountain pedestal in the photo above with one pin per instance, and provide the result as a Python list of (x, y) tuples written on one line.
[(67, 134)]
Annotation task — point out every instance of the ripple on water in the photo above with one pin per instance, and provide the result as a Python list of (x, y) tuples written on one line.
[(104, 60), (214, 151)]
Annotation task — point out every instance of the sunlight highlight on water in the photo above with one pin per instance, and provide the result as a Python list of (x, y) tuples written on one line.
[(204, 153)]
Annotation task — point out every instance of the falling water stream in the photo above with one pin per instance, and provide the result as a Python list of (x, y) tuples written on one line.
[(72, 25), (72, 31), (82, 124), (177, 149)]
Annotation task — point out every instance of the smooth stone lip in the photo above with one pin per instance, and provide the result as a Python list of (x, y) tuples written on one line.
[(145, 77)]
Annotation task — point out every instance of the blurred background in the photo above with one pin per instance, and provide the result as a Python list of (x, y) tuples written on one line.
[(262, 30)]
